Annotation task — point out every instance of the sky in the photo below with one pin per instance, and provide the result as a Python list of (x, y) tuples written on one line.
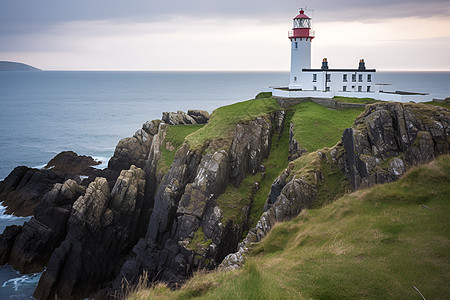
[(222, 34)]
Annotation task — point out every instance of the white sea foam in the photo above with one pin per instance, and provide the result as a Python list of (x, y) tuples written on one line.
[(15, 283), (40, 167), (103, 160), (4, 216)]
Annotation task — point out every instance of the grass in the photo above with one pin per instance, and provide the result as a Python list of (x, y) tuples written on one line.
[(174, 139), (234, 201), (223, 120), (377, 243), (445, 104), (355, 100), (317, 126)]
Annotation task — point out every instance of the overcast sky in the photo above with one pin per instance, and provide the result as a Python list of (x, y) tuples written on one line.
[(222, 34)]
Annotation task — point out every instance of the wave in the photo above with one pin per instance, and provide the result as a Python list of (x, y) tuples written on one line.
[(26, 279), (5, 217), (102, 160), (39, 167)]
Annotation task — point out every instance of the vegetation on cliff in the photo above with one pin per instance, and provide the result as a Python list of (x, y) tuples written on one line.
[(378, 243)]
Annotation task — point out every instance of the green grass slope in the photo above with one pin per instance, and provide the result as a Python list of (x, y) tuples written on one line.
[(377, 243)]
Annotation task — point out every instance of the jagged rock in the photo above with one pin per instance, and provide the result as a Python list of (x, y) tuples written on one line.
[(134, 150), (199, 116), (32, 248), (251, 143), (24, 188), (388, 138), (294, 148), (6, 241), (70, 162), (185, 231), (177, 118), (101, 231)]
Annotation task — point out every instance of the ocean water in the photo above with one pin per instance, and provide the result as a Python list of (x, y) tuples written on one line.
[(44, 113)]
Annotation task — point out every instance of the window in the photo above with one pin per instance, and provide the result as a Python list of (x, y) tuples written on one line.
[(360, 78), (369, 77), (353, 87), (315, 88), (295, 79), (344, 88), (296, 45), (327, 89), (314, 77), (353, 77), (328, 77), (368, 88), (359, 88), (344, 77)]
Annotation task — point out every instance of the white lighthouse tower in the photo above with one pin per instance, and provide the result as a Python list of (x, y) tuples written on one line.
[(301, 37)]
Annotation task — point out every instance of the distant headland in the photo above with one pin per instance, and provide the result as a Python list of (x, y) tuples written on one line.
[(16, 66)]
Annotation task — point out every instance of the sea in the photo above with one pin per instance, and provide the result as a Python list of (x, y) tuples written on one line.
[(45, 112)]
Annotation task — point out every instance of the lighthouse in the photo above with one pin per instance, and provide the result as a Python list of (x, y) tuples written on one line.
[(301, 37), (325, 83)]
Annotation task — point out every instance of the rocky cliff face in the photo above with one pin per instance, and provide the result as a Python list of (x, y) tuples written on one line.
[(30, 250), (187, 230), (387, 139), (384, 142), (24, 187), (101, 230), (172, 224)]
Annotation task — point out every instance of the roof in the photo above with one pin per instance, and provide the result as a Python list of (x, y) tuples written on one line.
[(338, 70), (302, 15)]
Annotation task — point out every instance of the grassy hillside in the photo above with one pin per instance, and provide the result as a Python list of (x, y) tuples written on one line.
[(317, 126), (377, 243), (224, 119)]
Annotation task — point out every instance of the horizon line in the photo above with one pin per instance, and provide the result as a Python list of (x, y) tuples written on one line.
[(228, 70)]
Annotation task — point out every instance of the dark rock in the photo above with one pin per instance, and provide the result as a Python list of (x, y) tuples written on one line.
[(199, 116), (24, 188), (70, 162), (389, 138), (134, 150), (32, 248), (6, 241), (101, 231)]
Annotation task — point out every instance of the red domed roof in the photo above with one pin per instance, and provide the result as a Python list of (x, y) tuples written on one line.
[(302, 15)]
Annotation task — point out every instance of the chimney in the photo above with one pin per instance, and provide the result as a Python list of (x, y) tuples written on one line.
[(324, 64), (362, 64)]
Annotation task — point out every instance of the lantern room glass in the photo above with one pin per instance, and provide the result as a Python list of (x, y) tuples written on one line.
[(302, 23)]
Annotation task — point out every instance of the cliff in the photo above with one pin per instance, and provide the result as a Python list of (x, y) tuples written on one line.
[(183, 197)]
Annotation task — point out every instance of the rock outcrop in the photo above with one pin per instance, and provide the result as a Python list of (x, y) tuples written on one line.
[(389, 138), (295, 151), (31, 248), (101, 231), (134, 150), (187, 229), (70, 162), (181, 118), (25, 187)]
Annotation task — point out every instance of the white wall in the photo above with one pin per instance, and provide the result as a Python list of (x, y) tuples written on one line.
[(374, 95), (300, 59)]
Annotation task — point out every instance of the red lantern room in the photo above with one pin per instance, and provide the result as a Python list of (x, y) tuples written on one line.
[(302, 27)]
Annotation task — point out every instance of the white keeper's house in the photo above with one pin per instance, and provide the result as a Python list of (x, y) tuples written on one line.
[(326, 82)]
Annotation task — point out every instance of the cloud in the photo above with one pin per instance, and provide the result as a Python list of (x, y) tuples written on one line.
[(57, 11)]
